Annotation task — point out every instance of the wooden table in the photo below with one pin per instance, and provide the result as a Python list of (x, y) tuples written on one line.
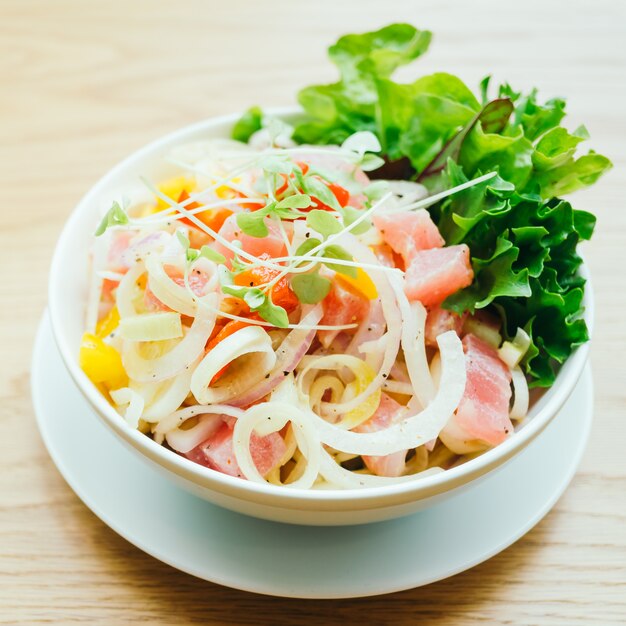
[(83, 84)]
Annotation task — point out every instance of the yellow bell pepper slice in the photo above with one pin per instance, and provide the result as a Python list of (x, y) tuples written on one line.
[(108, 323), (101, 362), (363, 283), (172, 188)]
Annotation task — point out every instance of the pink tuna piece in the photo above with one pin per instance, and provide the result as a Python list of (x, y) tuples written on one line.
[(439, 321), (435, 274), (483, 412), (407, 232), (217, 452), (342, 305), (388, 412)]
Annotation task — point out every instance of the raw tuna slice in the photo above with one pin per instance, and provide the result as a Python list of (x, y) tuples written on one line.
[(483, 413), (342, 305), (439, 321), (435, 274), (217, 452), (407, 232), (389, 411)]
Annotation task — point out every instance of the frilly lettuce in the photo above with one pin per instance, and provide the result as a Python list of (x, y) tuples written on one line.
[(522, 237)]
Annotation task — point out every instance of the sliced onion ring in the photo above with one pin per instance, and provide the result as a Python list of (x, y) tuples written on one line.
[(520, 393), (252, 342), (288, 355), (414, 430), (178, 358), (272, 417)]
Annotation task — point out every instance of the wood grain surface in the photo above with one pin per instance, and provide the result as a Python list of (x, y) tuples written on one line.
[(84, 83)]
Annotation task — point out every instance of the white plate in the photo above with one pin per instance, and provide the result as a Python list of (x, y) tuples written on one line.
[(299, 561)]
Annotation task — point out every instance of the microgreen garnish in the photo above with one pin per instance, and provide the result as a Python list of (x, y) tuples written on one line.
[(307, 245), (115, 216), (350, 214), (258, 301), (254, 224), (323, 222), (208, 253), (192, 254), (337, 252), (315, 187), (310, 288)]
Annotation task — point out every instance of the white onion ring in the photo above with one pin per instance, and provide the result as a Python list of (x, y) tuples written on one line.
[(168, 396), (171, 294), (288, 355), (177, 418), (249, 341), (338, 477), (188, 350), (185, 440), (413, 344), (269, 417), (135, 403), (520, 392), (126, 290), (415, 430)]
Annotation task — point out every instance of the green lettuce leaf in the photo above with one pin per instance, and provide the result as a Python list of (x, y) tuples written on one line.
[(523, 238)]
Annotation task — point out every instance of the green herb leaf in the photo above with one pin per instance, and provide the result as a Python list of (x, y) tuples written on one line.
[(208, 253), (323, 222), (273, 314), (248, 124), (235, 290), (350, 214), (315, 187), (371, 162), (376, 190), (307, 245), (276, 164), (253, 224), (310, 288), (183, 240), (192, 254), (337, 252), (115, 216), (297, 201), (254, 298)]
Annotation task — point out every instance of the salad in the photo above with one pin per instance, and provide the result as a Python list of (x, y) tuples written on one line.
[(358, 295)]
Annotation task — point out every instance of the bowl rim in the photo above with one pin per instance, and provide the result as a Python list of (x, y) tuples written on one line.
[(270, 494)]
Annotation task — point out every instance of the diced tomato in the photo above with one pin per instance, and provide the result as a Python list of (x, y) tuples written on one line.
[(388, 413), (282, 295), (344, 304), (108, 287), (435, 274), (483, 412), (407, 232), (217, 452), (213, 218), (439, 321), (190, 207)]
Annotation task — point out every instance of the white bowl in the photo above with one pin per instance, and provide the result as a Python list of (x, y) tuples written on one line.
[(67, 297)]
